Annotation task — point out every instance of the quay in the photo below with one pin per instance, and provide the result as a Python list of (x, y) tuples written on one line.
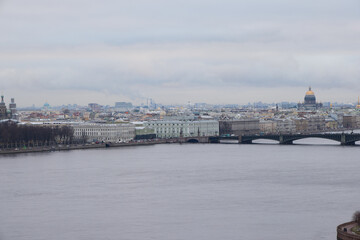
[(345, 231), (347, 139), (55, 148)]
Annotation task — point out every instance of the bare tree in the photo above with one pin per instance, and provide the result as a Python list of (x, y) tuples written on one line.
[(356, 217), (13, 135)]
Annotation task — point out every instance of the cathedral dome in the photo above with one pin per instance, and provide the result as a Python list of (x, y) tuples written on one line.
[(310, 92), (309, 101), (310, 97)]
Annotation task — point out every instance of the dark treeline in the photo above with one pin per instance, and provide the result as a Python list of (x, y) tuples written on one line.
[(13, 135)]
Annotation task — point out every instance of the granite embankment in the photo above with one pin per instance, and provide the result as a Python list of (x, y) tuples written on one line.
[(76, 146)]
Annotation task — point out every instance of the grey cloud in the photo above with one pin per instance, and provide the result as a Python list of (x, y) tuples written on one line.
[(213, 65), (138, 48), (78, 22)]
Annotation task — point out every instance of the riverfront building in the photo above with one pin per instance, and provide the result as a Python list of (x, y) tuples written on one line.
[(174, 129), (350, 121), (91, 132), (240, 127), (285, 126), (267, 127), (310, 124)]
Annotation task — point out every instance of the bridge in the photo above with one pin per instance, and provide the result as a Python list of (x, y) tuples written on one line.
[(343, 138), (194, 139)]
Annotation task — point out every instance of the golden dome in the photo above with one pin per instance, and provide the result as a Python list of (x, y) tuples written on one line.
[(310, 92)]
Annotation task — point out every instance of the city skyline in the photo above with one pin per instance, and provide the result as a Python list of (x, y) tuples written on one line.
[(156, 103), (236, 52)]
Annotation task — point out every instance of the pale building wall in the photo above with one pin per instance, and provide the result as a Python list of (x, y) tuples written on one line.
[(285, 126), (267, 126), (104, 132), (240, 127), (175, 129)]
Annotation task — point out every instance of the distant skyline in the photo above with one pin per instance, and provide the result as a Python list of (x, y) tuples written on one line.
[(228, 52)]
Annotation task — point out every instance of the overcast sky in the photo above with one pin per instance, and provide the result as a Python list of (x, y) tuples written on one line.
[(229, 51)]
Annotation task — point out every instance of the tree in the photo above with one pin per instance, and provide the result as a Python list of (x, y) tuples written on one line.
[(14, 135), (356, 217)]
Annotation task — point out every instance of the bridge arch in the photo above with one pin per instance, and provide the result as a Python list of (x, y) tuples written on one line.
[(343, 138), (265, 141), (316, 140), (250, 139), (291, 138), (192, 140)]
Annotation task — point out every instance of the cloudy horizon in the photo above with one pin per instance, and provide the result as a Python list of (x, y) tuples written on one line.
[(66, 52)]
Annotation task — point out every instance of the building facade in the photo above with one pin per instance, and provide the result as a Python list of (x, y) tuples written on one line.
[(301, 124), (175, 129), (91, 132), (240, 127), (267, 127), (350, 121), (144, 133), (316, 124), (285, 126), (331, 124)]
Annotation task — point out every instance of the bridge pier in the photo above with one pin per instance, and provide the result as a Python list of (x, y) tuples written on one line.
[(347, 140), (343, 139), (348, 143), (284, 141)]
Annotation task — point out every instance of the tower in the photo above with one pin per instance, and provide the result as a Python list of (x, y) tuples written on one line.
[(12, 108), (3, 111)]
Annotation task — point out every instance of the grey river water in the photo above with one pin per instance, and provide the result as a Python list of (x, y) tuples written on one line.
[(188, 191)]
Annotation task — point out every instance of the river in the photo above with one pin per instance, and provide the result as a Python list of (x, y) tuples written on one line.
[(176, 192)]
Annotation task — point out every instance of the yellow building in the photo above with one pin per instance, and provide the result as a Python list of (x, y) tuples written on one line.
[(331, 124)]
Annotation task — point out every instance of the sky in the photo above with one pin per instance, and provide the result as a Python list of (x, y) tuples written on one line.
[(219, 52)]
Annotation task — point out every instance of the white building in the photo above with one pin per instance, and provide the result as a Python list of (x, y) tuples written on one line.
[(316, 123), (174, 129), (104, 132), (267, 126), (285, 126)]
